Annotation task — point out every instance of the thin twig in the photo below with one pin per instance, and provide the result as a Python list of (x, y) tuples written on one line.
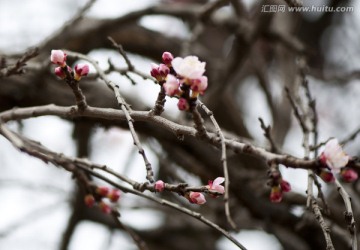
[(123, 53), (312, 106), (199, 123), (350, 137), (311, 201), (124, 107), (349, 215), (267, 134), (224, 162), (313, 117), (296, 111), (18, 67)]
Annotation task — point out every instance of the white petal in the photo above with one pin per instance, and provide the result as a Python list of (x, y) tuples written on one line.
[(218, 181)]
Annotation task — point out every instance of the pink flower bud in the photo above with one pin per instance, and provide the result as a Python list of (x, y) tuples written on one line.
[(197, 198), (183, 104), (159, 186), (58, 57), (164, 70), (326, 176), (154, 72), (167, 57), (105, 208), (349, 175), (171, 85), (199, 84), (81, 69), (114, 195), (159, 71), (89, 200), (59, 72), (285, 186), (103, 191), (276, 194)]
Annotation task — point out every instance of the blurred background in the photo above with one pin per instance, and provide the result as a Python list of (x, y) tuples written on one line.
[(251, 55)]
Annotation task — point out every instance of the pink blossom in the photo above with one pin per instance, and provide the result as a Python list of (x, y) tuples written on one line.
[(171, 85), (197, 198), (285, 186), (81, 69), (349, 175), (183, 104), (215, 185), (159, 186), (167, 58), (59, 72), (114, 195), (58, 57), (276, 194), (189, 67), (333, 156), (199, 84)]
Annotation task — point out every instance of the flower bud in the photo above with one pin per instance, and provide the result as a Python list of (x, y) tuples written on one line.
[(154, 72), (326, 176), (159, 71), (276, 194), (164, 70), (349, 175), (171, 85), (81, 69), (197, 198), (199, 84), (183, 104), (59, 72), (114, 195), (89, 200), (285, 186), (159, 186), (105, 208), (167, 58), (58, 57), (103, 191)]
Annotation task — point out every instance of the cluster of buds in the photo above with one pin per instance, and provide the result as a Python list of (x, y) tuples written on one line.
[(197, 197), (58, 57), (333, 160), (181, 78), (100, 193), (278, 185)]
